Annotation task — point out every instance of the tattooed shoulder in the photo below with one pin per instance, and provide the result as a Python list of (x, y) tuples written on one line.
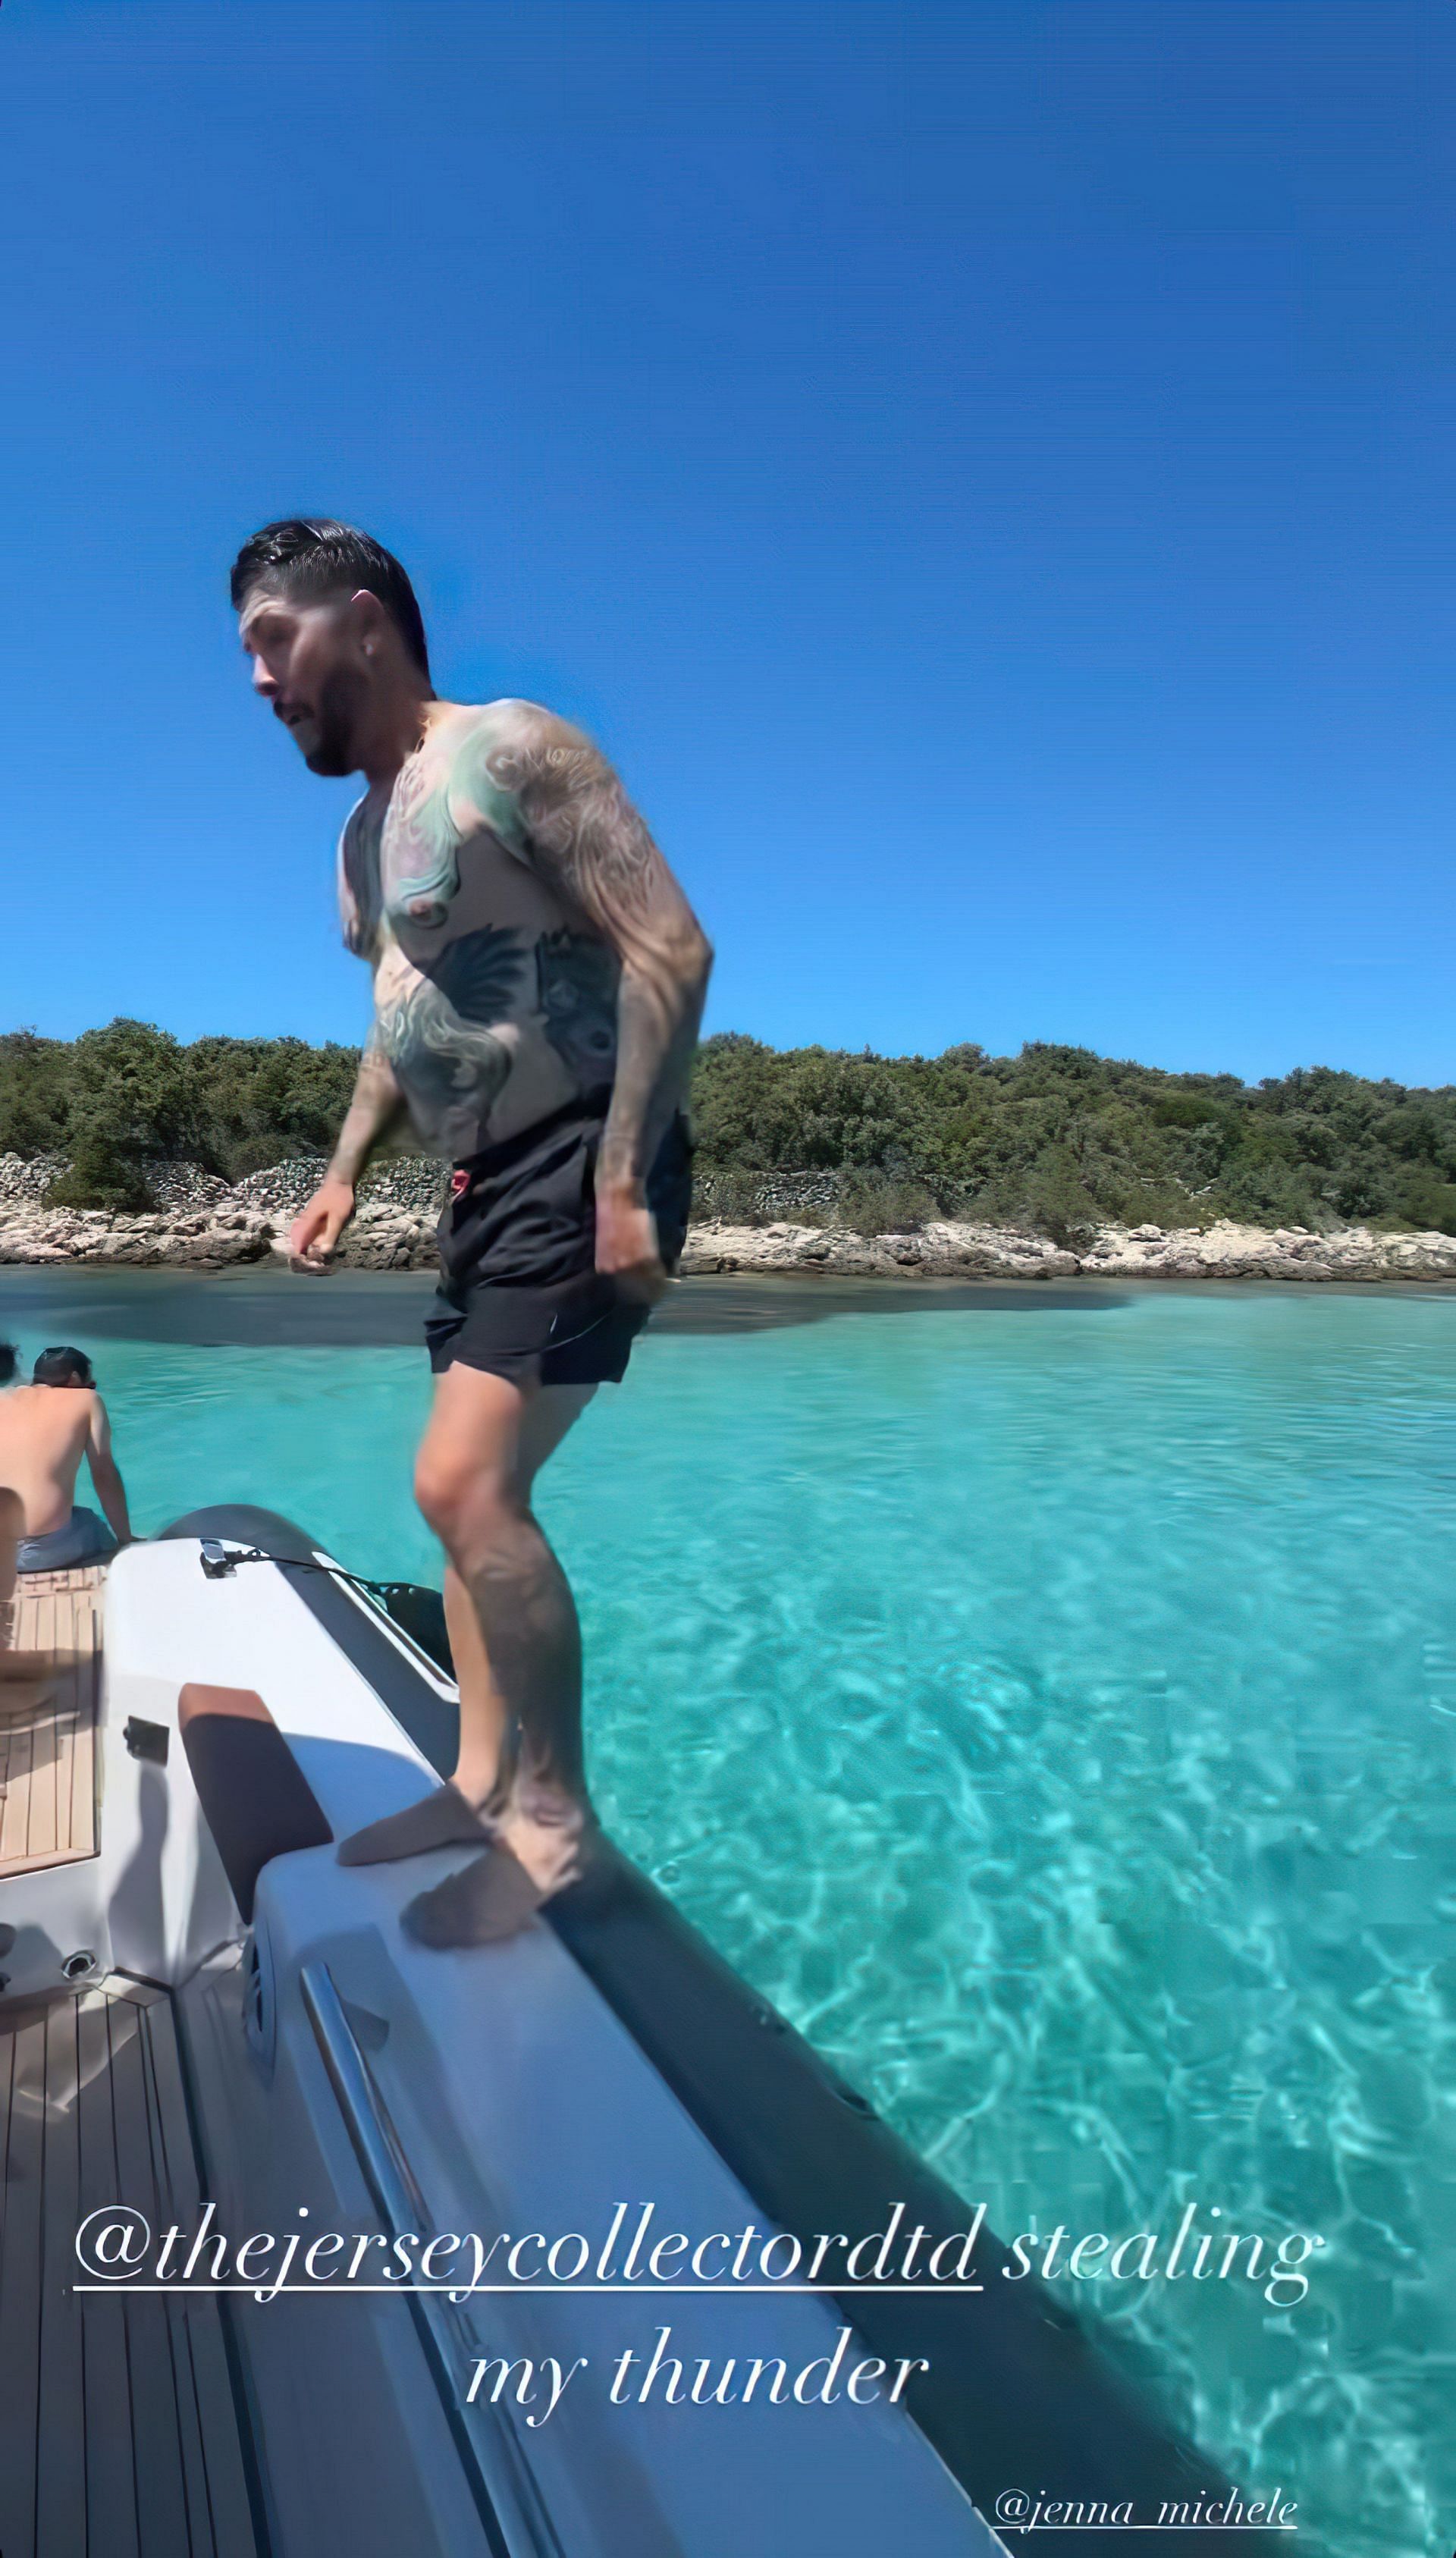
[(481, 773), (572, 817), (526, 754)]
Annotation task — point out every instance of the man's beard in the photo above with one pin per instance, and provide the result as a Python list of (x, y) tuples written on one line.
[(335, 751)]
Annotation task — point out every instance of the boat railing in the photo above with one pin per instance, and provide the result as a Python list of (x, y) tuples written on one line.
[(505, 2492)]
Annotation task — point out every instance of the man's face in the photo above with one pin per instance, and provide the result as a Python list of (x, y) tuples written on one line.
[(308, 662)]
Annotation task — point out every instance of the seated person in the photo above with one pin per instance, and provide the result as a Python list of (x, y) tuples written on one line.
[(25, 1677), (46, 1429)]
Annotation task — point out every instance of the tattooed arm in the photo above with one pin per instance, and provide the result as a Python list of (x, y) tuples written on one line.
[(376, 1102), (545, 787)]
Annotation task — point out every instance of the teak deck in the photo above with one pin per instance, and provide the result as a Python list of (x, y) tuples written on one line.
[(47, 1753), (118, 2430)]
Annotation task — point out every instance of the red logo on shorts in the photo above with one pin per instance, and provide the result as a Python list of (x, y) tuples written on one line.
[(459, 1182)]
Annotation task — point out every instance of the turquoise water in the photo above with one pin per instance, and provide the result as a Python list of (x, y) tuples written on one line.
[(1052, 1708)]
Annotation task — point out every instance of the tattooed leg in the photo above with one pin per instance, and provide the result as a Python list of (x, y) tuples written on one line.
[(481, 1770), (520, 1652)]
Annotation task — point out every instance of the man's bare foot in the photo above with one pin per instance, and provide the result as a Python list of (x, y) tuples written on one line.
[(441, 1819), (546, 1831), (486, 1789), (485, 1902), (539, 1843)]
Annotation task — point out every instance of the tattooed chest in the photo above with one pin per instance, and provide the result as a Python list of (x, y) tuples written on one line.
[(577, 981), (491, 1004)]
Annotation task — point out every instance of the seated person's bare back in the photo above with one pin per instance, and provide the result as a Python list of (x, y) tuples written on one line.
[(48, 1430)]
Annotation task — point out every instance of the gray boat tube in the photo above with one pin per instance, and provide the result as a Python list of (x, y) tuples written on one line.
[(1020, 2399)]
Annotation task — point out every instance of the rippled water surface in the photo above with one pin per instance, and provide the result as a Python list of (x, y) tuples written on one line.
[(1052, 1706)]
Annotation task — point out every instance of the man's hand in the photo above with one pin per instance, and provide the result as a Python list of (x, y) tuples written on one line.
[(313, 1237), (627, 1241)]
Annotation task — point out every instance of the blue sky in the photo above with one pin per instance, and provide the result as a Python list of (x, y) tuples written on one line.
[(984, 471)]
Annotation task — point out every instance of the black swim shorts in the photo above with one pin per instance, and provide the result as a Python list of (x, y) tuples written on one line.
[(519, 1291)]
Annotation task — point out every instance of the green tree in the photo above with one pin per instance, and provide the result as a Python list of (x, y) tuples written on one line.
[(130, 1103), (35, 1076)]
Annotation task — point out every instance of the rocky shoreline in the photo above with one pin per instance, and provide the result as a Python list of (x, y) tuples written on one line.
[(250, 1226), (946, 1250)]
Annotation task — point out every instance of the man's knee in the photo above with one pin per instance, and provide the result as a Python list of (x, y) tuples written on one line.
[(459, 1495)]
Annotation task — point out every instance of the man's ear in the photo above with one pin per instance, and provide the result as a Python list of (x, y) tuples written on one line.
[(371, 621)]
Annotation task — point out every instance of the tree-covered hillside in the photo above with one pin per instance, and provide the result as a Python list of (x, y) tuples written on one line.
[(1056, 1135), (1068, 1138)]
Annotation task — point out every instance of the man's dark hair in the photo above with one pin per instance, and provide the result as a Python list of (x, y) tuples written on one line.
[(9, 1362), (64, 1366), (313, 555)]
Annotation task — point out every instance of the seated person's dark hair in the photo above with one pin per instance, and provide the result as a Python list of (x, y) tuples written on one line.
[(64, 1366), (9, 1362), (310, 556)]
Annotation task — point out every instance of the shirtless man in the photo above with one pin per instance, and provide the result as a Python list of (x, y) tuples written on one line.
[(539, 980), (25, 1677), (46, 1429)]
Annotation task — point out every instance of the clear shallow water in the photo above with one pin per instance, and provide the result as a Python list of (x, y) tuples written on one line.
[(1052, 1706)]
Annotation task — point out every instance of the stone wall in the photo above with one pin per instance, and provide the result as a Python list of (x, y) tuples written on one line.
[(411, 1182), (780, 1196), (28, 1177)]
